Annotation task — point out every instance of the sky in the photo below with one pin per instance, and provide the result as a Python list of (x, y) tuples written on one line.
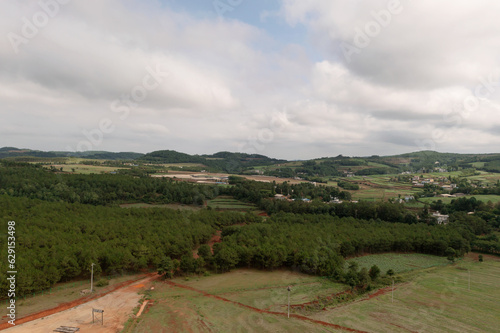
[(289, 79)]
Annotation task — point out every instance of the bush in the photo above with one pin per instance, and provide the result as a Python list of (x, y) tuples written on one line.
[(102, 282)]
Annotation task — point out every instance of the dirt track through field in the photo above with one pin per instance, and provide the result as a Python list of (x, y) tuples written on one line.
[(323, 323), (118, 304)]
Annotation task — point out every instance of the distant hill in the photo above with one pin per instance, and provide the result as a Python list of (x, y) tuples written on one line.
[(12, 152), (230, 162), (16, 152), (170, 156), (427, 160), (221, 161)]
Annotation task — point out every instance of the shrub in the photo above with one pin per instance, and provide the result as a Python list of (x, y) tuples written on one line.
[(102, 282)]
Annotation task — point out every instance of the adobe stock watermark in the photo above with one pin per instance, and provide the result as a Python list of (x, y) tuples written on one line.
[(224, 6), (31, 27), (363, 36), (463, 109), (122, 106), (257, 143)]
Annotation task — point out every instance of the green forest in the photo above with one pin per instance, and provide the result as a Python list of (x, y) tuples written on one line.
[(65, 222)]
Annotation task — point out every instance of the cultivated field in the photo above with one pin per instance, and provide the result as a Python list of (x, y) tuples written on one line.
[(435, 299), (229, 203)]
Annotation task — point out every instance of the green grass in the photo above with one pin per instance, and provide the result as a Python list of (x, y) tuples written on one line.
[(399, 262), (84, 169), (229, 203), (484, 198), (435, 300), (180, 310)]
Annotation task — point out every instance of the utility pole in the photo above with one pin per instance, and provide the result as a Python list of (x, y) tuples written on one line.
[(92, 279), (289, 289)]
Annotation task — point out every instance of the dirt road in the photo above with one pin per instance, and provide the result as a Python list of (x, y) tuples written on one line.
[(117, 306)]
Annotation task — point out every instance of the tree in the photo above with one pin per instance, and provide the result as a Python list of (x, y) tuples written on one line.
[(450, 254), (166, 268), (226, 258), (374, 272), (188, 264), (352, 276), (363, 277), (410, 219), (200, 265), (390, 272), (480, 257), (205, 251)]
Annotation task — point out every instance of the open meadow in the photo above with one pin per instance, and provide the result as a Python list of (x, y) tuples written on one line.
[(484, 198), (432, 299)]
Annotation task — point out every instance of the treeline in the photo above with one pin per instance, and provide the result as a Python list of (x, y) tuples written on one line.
[(463, 205), (318, 244), (35, 182), (487, 244), (376, 171), (384, 211), (59, 241), (255, 192), (348, 186)]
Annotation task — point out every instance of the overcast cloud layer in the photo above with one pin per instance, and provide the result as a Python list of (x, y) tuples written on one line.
[(293, 79)]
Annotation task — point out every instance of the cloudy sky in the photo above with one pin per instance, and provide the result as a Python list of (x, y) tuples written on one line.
[(291, 79)]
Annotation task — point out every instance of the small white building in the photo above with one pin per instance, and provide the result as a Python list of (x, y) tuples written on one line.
[(441, 219)]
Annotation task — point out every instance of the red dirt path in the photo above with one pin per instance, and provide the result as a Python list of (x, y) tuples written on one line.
[(378, 293), (69, 305), (216, 238), (204, 293)]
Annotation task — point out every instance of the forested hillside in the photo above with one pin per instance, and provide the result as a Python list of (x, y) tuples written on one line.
[(317, 244), (218, 162), (58, 241)]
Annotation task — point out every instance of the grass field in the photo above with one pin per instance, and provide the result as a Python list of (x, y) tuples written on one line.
[(484, 198), (433, 299), (399, 262), (182, 310), (229, 203), (436, 300), (84, 169)]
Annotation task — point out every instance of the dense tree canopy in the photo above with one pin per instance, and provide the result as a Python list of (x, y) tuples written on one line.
[(59, 241)]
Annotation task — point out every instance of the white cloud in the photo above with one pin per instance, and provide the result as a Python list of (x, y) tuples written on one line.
[(228, 80)]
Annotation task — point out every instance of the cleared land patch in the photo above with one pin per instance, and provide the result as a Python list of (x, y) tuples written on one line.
[(435, 299), (229, 203)]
